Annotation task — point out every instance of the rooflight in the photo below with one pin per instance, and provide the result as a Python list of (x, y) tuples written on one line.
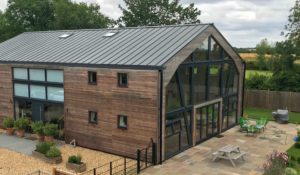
[(65, 35), (110, 34)]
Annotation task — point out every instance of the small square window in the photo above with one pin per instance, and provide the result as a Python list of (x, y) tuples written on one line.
[(92, 77), (122, 121), (122, 79), (93, 117)]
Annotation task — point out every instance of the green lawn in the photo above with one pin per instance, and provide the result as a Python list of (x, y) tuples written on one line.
[(259, 72), (267, 113), (293, 152), (294, 155)]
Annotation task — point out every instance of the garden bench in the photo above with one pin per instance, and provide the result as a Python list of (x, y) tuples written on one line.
[(229, 152)]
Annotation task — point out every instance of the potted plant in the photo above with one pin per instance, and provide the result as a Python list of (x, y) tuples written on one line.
[(74, 163), (8, 123), (50, 130), (20, 125), (47, 152), (38, 128)]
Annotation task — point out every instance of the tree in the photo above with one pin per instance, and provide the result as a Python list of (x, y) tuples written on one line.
[(69, 15), (263, 50), (294, 26), (157, 12)]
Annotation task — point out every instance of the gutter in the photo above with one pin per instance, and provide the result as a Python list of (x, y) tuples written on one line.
[(243, 90), (161, 115)]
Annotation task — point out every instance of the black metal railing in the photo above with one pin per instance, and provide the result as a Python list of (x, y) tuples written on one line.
[(146, 157), (39, 172)]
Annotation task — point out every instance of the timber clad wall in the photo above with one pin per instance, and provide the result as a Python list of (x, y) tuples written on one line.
[(139, 102), (6, 92)]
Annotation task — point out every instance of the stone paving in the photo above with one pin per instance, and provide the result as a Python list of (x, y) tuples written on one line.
[(197, 160)]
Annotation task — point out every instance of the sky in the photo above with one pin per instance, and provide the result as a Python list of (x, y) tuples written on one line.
[(244, 23)]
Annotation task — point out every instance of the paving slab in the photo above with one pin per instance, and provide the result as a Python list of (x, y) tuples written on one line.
[(17, 144)]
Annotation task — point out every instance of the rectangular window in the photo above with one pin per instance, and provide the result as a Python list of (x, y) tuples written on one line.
[(93, 117), (55, 94), (92, 77), (37, 74), (122, 121), (122, 79), (21, 90), (20, 73), (56, 76), (38, 92)]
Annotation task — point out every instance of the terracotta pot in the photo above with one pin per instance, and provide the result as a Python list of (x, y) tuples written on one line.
[(78, 168), (41, 137), (9, 131), (49, 139), (20, 132)]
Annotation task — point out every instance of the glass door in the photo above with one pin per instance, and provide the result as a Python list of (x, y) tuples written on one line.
[(207, 122)]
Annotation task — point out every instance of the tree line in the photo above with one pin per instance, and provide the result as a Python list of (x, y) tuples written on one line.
[(42, 15)]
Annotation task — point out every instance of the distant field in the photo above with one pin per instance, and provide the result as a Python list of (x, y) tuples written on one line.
[(248, 56), (259, 72)]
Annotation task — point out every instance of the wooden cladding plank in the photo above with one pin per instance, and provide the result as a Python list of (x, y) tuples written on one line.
[(139, 102), (6, 92)]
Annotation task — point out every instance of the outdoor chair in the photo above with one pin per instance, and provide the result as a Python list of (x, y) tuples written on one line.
[(252, 130), (261, 124), (243, 124)]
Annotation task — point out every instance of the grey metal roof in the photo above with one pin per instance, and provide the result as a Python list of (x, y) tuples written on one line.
[(141, 46)]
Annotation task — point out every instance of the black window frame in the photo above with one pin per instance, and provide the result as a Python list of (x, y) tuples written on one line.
[(126, 122), (94, 75), (120, 74), (96, 113)]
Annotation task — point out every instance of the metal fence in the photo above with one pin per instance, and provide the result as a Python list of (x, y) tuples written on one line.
[(146, 157), (272, 100)]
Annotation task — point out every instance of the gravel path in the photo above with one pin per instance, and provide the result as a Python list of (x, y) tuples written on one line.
[(14, 163)]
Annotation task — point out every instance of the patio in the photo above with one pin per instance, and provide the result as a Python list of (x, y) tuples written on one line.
[(197, 160)]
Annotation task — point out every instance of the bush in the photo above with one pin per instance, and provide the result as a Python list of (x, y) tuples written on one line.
[(8, 122), (21, 123), (276, 163), (38, 127), (75, 159), (50, 129), (53, 152), (257, 81), (298, 160), (293, 158), (290, 171), (43, 147)]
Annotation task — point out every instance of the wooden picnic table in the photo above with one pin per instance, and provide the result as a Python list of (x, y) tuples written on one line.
[(229, 152)]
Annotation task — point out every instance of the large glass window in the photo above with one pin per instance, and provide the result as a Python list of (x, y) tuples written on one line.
[(38, 92), (56, 76), (20, 73), (37, 74), (173, 95), (214, 81), (216, 50), (184, 74), (53, 112), (23, 109), (200, 81), (21, 90), (55, 94), (201, 52)]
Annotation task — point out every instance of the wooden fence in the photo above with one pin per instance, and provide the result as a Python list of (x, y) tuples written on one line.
[(272, 100)]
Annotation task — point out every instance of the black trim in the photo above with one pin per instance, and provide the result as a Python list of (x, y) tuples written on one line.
[(161, 115), (114, 66), (90, 117)]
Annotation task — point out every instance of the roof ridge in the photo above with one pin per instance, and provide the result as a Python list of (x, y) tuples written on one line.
[(121, 28)]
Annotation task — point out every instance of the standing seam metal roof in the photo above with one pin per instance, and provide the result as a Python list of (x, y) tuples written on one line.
[(140, 46)]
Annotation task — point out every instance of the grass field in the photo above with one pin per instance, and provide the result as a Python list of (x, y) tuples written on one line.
[(259, 72), (294, 157), (267, 113)]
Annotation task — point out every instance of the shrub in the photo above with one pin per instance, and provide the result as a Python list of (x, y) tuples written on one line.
[(50, 129), (8, 122), (38, 127), (298, 160), (293, 158), (290, 171), (257, 81), (43, 147), (75, 159), (53, 152), (21, 123), (276, 163)]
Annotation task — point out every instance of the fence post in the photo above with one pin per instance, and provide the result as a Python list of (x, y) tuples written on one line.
[(95, 171), (110, 168), (146, 157), (154, 153), (124, 165), (138, 168)]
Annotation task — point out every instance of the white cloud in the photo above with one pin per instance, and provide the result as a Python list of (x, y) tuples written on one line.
[(243, 22)]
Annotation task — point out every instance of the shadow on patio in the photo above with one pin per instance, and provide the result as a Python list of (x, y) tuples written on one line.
[(197, 160)]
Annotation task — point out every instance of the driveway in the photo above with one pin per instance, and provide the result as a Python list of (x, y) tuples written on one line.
[(21, 145), (197, 160)]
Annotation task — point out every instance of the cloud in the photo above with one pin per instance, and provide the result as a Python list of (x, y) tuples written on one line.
[(243, 22)]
